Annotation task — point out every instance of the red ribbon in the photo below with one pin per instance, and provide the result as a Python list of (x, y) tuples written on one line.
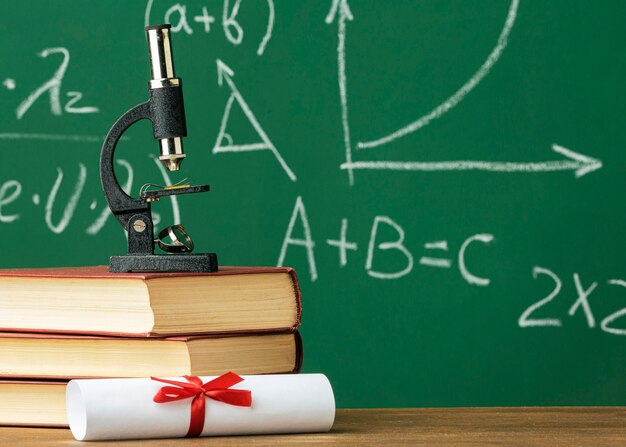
[(216, 389)]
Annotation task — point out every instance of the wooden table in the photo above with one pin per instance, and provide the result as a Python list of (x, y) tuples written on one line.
[(563, 426)]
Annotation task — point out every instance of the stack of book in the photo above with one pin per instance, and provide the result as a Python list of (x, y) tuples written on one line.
[(59, 324)]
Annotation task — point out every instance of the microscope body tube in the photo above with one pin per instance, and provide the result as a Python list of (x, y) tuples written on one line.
[(166, 98)]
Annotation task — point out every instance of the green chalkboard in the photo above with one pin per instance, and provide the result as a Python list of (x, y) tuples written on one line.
[(446, 176)]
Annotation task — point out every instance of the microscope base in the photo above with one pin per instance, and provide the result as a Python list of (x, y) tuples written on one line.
[(198, 263)]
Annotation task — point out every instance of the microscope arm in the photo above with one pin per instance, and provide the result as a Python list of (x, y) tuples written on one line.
[(122, 205), (134, 215)]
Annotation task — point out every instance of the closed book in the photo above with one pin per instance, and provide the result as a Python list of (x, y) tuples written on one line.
[(33, 403), (66, 356), (91, 300)]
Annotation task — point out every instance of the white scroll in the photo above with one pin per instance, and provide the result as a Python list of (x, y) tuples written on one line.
[(102, 409)]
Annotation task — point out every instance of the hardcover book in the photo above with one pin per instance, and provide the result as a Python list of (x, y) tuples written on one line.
[(90, 300), (32, 403), (43, 356)]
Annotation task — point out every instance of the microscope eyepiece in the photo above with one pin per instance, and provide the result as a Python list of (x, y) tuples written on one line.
[(160, 47), (166, 98)]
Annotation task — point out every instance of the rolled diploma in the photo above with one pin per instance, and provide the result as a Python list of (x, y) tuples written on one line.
[(103, 409)]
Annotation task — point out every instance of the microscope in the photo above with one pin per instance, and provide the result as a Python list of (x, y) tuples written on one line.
[(165, 109)]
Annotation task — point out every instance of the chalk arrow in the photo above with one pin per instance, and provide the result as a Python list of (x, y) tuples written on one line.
[(341, 7), (223, 70), (586, 164), (580, 164)]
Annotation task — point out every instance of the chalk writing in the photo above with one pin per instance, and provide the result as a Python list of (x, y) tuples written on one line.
[(341, 7), (299, 212), (268, 29), (127, 186), (580, 164), (342, 244), (582, 302), (182, 24), (9, 192), (232, 29), (398, 245), (615, 315), (206, 19), (54, 137), (524, 319), (436, 262), (53, 87), (460, 94), (376, 245), (9, 83), (177, 15), (469, 277), (68, 211), (224, 72)]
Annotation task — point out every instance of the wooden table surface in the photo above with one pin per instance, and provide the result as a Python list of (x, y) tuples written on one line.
[(530, 426)]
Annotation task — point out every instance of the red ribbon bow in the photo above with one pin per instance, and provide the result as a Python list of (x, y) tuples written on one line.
[(216, 389)]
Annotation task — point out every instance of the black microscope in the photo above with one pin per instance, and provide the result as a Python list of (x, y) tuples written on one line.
[(166, 111)]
